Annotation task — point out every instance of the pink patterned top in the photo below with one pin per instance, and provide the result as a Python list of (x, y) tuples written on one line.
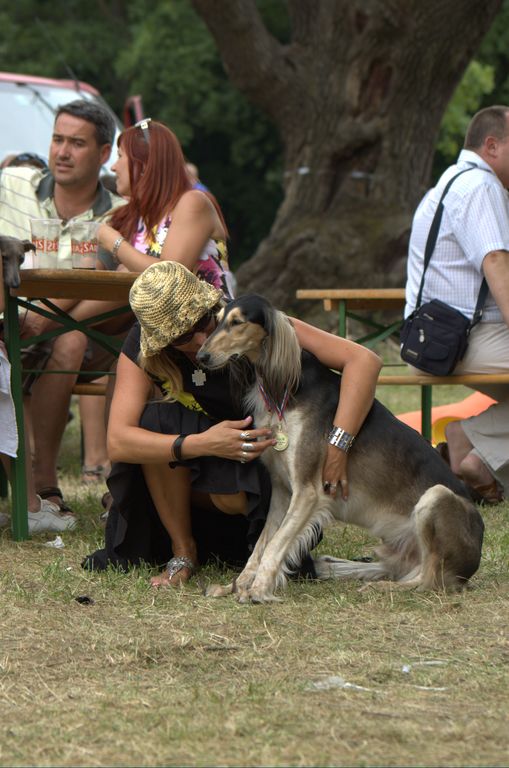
[(212, 264)]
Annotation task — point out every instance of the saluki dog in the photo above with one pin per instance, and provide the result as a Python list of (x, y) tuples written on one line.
[(13, 254), (401, 490)]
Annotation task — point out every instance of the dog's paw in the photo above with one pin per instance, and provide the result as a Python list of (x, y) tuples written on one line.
[(218, 590), (244, 582), (259, 596)]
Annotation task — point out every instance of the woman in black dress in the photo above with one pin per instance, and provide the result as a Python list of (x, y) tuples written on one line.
[(183, 488)]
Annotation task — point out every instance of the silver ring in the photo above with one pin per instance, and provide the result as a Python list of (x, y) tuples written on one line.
[(247, 447), (333, 486), (242, 461), (245, 454), (245, 435)]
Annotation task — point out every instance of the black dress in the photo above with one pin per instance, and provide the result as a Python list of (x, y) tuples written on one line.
[(134, 532)]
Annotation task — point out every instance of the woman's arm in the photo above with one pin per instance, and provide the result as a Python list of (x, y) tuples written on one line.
[(126, 254), (128, 442), (359, 368), (193, 222)]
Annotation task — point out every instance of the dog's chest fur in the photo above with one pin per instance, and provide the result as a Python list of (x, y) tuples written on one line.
[(303, 436)]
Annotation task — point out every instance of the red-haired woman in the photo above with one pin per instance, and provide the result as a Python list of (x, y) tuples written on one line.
[(164, 218)]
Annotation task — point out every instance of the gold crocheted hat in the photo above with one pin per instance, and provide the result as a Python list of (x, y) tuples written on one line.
[(168, 300)]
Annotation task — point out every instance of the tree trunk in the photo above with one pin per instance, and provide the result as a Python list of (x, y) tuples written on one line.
[(357, 95)]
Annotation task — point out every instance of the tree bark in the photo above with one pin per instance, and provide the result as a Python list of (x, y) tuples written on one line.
[(357, 95)]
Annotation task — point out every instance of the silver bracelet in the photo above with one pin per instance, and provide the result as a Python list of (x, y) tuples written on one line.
[(341, 439), (116, 245)]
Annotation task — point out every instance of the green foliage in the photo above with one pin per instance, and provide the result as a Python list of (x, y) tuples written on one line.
[(162, 50), (478, 80), (485, 82), (175, 65), (65, 39)]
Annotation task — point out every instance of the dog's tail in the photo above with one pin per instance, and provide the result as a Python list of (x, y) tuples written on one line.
[(328, 567)]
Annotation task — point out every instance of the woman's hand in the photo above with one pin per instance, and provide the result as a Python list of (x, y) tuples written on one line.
[(334, 476), (106, 236), (235, 440)]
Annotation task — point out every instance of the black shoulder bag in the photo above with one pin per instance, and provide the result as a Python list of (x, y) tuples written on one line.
[(434, 338)]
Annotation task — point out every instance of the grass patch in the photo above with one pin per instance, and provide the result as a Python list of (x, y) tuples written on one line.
[(168, 678)]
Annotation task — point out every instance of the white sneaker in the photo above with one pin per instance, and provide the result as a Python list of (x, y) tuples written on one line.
[(4, 520), (49, 518)]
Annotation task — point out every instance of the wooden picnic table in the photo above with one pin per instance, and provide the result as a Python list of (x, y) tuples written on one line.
[(43, 285)]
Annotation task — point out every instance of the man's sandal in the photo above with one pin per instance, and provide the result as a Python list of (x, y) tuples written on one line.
[(50, 493)]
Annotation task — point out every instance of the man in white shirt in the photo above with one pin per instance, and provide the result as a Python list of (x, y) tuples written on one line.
[(472, 243)]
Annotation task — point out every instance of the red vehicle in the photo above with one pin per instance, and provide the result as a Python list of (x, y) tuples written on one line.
[(27, 111)]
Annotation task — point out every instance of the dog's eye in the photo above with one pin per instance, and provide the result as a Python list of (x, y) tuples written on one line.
[(236, 321)]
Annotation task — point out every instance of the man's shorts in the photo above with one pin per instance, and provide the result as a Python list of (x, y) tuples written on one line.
[(96, 359)]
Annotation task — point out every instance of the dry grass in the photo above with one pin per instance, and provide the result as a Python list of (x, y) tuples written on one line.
[(170, 678)]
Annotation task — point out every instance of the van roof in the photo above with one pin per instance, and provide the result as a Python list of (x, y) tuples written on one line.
[(73, 85), (28, 104)]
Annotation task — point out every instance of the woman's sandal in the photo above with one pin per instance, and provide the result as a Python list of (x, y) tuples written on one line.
[(94, 474), (51, 493), (175, 565)]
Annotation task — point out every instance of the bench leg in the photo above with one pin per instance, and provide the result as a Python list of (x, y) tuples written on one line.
[(4, 483), (426, 405), (19, 515)]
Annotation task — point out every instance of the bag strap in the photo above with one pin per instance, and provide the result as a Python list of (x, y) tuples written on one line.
[(430, 247), (483, 292)]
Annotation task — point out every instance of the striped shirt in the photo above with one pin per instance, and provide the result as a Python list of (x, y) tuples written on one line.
[(475, 222), (27, 193)]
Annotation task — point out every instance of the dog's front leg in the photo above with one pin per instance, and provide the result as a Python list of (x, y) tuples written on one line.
[(279, 502), (287, 543)]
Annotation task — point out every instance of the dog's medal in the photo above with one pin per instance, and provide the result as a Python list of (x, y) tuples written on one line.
[(271, 405), (281, 440)]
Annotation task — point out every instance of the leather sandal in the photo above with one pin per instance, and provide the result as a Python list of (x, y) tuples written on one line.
[(50, 492)]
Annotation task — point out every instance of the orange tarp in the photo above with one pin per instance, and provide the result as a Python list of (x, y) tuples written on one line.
[(443, 414)]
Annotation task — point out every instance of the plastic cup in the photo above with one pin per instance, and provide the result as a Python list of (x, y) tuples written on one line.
[(84, 244), (45, 237)]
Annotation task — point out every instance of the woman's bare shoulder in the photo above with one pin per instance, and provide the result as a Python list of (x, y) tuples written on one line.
[(193, 201)]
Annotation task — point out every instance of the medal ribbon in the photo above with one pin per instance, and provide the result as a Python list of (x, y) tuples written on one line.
[(270, 404)]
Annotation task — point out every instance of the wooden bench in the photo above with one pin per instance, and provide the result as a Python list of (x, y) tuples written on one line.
[(89, 388), (426, 383), (348, 301)]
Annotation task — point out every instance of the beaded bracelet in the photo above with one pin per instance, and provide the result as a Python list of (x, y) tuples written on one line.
[(340, 438), (116, 245)]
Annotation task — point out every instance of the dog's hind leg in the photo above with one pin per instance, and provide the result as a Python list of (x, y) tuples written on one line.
[(449, 530)]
